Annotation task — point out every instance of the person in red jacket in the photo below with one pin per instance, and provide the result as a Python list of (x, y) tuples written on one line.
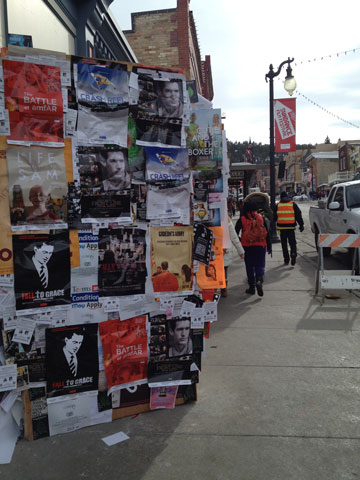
[(165, 281), (255, 250)]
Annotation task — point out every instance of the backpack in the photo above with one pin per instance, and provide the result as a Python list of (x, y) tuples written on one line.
[(256, 231)]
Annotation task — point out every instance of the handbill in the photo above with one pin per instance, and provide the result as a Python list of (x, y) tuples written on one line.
[(8, 376), (37, 187), (171, 258), (163, 202), (204, 139), (163, 397), (6, 260), (125, 351), (122, 264), (42, 271), (72, 362), (98, 128), (203, 238), (34, 100)]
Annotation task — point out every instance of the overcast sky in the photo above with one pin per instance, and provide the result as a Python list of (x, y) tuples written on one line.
[(243, 38)]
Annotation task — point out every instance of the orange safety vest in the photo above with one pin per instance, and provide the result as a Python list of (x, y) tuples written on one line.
[(286, 216)]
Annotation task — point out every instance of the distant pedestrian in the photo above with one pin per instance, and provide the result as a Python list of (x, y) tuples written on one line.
[(287, 215), (228, 253), (256, 240)]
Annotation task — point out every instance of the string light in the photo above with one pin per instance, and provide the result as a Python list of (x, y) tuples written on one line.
[(324, 57)]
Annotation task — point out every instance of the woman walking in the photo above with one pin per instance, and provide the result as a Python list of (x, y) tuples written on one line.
[(256, 240), (228, 252)]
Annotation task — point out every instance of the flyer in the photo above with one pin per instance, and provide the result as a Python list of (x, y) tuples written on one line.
[(33, 98), (125, 351), (171, 258), (72, 363), (203, 238), (163, 202), (163, 397), (122, 262), (41, 271), (37, 187), (6, 260), (98, 128)]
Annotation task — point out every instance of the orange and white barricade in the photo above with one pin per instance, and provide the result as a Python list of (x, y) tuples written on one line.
[(337, 279)]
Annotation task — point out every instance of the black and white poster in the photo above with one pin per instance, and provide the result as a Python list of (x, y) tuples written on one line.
[(104, 181), (203, 238), (72, 363), (41, 271), (122, 267)]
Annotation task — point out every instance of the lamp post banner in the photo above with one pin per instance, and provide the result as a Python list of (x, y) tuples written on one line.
[(285, 125)]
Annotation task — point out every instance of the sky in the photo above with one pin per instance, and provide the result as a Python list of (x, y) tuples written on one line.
[(244, 37)]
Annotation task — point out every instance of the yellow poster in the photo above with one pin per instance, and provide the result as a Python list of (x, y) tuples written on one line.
[(6, 255), (171, 258)]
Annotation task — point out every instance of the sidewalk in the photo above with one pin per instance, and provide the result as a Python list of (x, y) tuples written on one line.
[(278, 399)]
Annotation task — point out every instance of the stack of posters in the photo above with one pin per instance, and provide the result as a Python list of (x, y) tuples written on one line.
[(112, 232)]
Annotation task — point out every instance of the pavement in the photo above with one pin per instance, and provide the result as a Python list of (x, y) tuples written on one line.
[(278, 398)]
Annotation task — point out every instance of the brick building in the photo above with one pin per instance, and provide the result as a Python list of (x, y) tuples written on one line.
[(168, 38)]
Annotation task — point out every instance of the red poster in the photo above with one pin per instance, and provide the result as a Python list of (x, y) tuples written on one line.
[(285, 125), (125, 350), (34, 100)]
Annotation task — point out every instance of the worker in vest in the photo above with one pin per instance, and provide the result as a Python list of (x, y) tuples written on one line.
[(287, 215)]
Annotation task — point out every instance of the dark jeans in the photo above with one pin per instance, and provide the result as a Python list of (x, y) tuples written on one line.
[(255, 263), (285, 237)]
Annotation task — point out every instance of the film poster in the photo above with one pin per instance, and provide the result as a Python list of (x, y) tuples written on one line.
[(104, 181), (122, 262), (125, 351), (33, 98), (41, 270), (166, 164), (72, 362), (213, 275), (171, 258), (37, 187), (6, 254), (160, 112), (204, 139)]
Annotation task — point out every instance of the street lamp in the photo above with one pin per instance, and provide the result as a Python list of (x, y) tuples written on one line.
[(290, 86)]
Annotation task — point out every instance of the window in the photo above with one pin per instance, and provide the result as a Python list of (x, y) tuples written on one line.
[(339, 197), (353, 196)]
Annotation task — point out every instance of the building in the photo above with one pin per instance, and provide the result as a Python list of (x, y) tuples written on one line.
[(293, 175), (85, 28), (168, 38), (349, 162), (320, 165)]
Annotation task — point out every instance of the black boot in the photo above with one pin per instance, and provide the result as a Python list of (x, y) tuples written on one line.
[(251, 290), (259, 288)]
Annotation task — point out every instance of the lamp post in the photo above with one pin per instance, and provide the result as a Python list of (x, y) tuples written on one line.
[(289, 85)]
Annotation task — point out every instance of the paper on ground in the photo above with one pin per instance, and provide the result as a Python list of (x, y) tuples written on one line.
[(115, 438)]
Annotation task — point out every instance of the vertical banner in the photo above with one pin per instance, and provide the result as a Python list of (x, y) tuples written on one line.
[(285, 125)]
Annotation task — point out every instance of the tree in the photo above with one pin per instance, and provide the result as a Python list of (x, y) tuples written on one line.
[(327, 139)]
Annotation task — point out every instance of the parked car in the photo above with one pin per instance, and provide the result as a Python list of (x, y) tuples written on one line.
[(339, 213), (300, 198)]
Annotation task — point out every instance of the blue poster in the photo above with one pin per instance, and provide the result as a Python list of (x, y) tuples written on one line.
[(166, 163)]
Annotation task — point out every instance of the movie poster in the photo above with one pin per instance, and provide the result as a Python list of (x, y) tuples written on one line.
[(37, 188), (33, 98), (204, 139), (171, 258), (171, 351), (122, 262), (104, 182), (213, 275), (41, 270), (138, 201), (6, 260), (166, 164), (160, 113), (72, 362), (169, 202), (125, 351), (163, 397), (102, 93)]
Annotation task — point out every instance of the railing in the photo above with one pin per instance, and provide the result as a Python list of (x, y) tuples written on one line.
[(338, 177)]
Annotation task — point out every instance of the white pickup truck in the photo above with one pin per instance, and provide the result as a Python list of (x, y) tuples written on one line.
[(340, 213)]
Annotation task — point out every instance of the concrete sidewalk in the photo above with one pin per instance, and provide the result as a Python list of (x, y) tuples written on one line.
[(278, 399)]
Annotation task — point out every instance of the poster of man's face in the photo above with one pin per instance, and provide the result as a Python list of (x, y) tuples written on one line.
[(72, 363), (103, 170), (41, 270)]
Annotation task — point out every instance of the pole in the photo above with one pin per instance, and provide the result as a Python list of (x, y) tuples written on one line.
[(273, 234)]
